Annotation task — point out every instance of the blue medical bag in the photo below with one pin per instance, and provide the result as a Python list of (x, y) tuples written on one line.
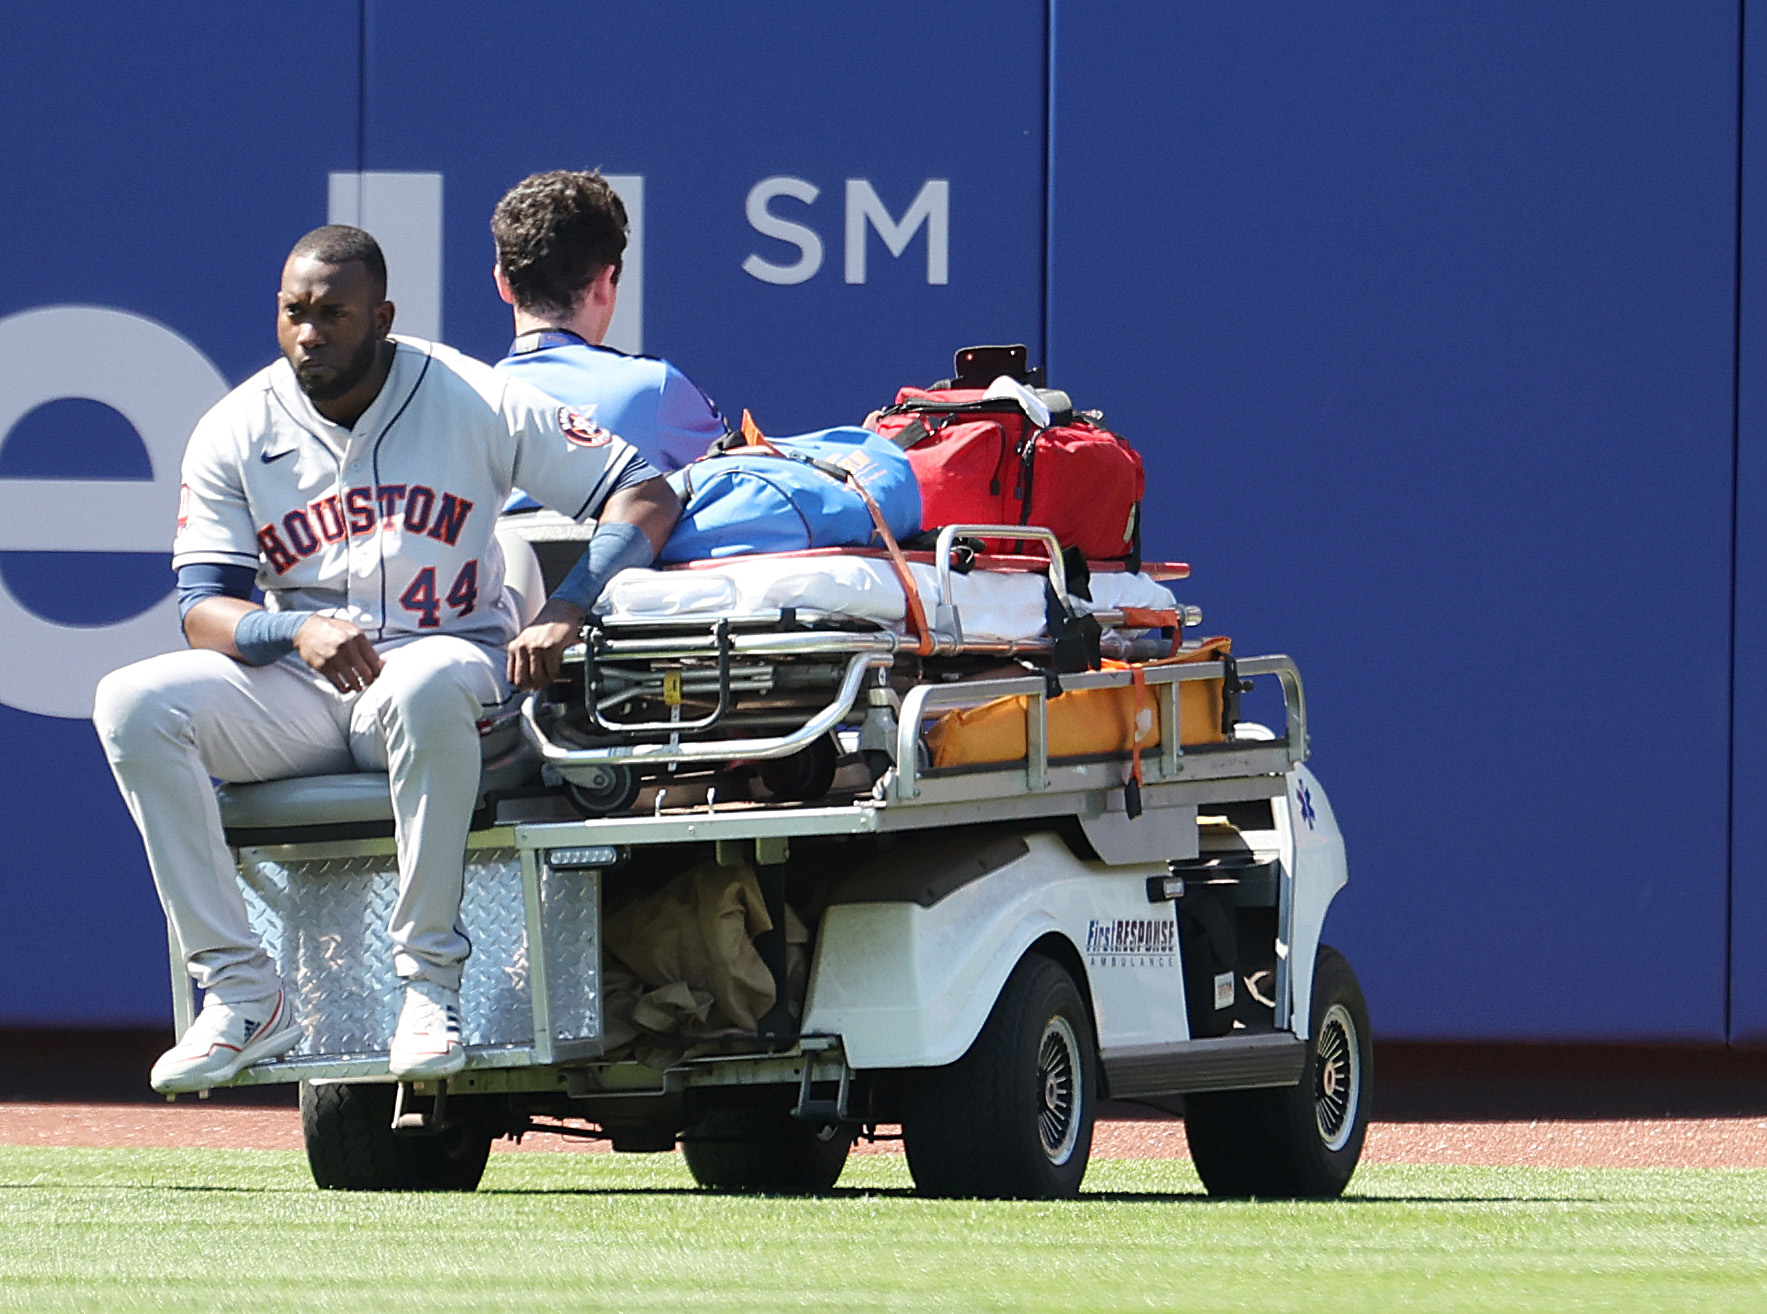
[(752, 500)]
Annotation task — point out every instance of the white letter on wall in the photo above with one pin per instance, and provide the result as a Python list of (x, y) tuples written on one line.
[(161, 383), (403, 211), (626, 332), (768, 224), (932, 208)]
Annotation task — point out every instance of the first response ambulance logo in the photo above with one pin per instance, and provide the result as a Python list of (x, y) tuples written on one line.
[(1132, 942), (582, 430)]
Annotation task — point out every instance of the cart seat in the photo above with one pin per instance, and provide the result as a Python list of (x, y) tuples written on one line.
[(353, 805)]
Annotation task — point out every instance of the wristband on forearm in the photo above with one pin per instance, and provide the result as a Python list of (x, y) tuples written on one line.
[(616, 546), (266, 636)]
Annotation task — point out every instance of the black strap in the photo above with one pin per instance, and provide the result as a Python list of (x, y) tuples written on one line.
[(1078, 571), (1074, 637), (543, 339), (1132, 798), (1231, 688), (932, 406), (911, 433)]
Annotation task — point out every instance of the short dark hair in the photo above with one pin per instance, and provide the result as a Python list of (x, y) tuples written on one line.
[(340, 244), (555, 233)]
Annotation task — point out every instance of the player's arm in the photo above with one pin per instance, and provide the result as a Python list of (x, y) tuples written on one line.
[(220, 615), (633, 525)]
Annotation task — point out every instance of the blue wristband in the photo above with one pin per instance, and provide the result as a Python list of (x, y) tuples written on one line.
[(616, 546), (263, 636)]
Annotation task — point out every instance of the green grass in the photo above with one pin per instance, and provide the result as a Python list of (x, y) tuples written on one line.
[(198, 1230)]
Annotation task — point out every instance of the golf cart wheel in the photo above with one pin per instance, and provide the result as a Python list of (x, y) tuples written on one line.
[(765, 1150), (351, 1145), (804, 776), (1301, 1141), (603, 791), (1012, 1118)]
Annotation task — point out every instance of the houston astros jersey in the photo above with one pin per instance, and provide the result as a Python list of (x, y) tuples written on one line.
[(647, 401), (389, 525)]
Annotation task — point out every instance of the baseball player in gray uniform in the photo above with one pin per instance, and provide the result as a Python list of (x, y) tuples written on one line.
[(356, 482)]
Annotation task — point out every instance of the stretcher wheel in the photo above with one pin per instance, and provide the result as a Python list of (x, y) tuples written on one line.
[(351, 1145), (804, 776), (1300, 1141), (607, 790), (764, 1150), (1012, 1118)]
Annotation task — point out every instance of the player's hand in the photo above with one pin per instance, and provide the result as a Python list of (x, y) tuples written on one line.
[(535, 653), (338, 651)]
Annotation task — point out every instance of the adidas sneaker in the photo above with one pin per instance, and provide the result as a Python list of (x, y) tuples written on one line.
[(427, 1042), (224, 1040)]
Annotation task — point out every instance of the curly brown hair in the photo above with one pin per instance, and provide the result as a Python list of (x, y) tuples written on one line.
[(555, 233)]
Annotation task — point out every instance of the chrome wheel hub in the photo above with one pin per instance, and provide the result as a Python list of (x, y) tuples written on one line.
[(1058, 1081), (1337, 1077)]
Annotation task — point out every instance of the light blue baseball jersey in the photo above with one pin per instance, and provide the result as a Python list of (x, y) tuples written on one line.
[(645, 400)]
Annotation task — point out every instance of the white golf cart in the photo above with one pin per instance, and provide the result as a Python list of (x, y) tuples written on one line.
[(977, 954)]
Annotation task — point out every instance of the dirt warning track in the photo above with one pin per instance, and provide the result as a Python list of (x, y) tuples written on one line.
[(1609, 1143)]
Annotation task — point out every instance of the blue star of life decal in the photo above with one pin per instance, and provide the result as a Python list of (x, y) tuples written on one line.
[(1307, 813)]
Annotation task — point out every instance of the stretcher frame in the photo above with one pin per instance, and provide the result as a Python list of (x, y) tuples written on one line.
[(865, 653)]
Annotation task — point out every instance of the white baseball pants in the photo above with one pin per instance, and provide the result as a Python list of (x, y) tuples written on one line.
[(170, 723)]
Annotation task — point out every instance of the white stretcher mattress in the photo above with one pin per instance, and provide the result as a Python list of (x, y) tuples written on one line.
[(993, 605)]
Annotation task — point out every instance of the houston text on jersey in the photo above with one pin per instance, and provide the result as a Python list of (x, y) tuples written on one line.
[(416, 508)]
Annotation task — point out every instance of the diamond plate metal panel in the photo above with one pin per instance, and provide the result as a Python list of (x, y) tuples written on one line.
[(324, 921), (571, 935)]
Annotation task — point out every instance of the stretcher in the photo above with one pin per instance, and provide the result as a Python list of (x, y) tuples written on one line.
[(794, 665)]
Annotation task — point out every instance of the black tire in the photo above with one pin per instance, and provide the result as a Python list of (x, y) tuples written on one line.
[(1012, 1118), (1301, 1141), (806, 775), (613, 789), (764, 1150), (351, 1145)]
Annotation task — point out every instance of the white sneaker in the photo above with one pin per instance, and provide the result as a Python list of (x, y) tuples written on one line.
[(224, 1040), (427, 1042)]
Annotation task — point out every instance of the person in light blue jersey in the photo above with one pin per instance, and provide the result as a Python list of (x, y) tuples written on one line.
[(560, 239)]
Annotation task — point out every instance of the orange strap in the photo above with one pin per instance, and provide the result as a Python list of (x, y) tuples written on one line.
[(753, 437), (1148, 618), (916, 612), (1145, 618)]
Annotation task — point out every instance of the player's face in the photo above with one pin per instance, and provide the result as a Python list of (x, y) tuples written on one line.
[(330, 321)]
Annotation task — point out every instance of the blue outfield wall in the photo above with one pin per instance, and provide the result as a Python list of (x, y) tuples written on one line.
[(154, 173), (1427, 315), (716, 110), (167, 172), (1425, 322), (1748, 987)]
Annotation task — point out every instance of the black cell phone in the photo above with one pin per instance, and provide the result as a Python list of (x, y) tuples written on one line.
[(977, 367)]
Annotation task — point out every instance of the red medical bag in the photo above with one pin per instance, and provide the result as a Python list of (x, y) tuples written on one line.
[(983, 461)]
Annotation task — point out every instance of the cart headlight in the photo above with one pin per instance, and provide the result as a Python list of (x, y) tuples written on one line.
[(591, 855)]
